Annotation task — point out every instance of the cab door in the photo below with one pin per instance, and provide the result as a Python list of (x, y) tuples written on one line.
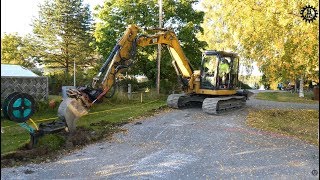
[(209, 72)]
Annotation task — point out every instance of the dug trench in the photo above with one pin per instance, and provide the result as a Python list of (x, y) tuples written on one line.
[(53, 146)]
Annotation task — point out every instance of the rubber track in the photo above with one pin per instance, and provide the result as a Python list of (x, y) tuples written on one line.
[(174, 99), (225, 104)]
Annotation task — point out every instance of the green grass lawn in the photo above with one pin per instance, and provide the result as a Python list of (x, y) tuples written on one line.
[(114, 111), (302, 124), (287, 97)]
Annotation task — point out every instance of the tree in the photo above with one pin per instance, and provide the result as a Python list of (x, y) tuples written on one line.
[(18, 50), (116, 15), (269, 32), (64, 30)]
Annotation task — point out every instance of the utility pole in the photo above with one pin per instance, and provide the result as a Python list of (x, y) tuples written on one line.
[(74, 73), (159, 48)]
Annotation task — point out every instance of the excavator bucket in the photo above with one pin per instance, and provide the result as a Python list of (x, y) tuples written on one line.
[(70, 110)]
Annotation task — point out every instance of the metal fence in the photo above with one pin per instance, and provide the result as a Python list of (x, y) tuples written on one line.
[(35, 86)]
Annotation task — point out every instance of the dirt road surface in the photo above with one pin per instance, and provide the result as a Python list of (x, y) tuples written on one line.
[(186, 144)]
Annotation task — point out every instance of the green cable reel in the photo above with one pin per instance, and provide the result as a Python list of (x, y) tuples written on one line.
[(18, 107)]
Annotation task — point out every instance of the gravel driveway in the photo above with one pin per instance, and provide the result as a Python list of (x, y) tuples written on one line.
[(186, 144)]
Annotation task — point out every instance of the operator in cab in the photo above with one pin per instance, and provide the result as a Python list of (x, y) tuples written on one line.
[(224, 70)]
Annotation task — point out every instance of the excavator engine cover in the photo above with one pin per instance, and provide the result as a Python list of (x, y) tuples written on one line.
[(70, 110)]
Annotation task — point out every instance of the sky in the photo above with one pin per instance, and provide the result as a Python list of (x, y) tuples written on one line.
[(17, 15)]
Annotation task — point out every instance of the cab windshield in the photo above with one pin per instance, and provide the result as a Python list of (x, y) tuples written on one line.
[(219, 72)]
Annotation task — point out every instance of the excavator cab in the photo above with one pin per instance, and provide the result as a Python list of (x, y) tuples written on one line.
[(219, 70)]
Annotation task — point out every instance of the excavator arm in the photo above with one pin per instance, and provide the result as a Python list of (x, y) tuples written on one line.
[(120, 58), (123, 53), (81, 99)]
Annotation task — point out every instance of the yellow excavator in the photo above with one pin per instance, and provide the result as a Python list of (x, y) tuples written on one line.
[(214, 85)]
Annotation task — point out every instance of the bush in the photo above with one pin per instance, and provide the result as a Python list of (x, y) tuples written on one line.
[(135, 86), (44, 105), (123, 85), (166, 86), (55, 83), (244, 86), (147, 84)]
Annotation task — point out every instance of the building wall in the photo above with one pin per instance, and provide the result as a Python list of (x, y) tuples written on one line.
[(35, 86)]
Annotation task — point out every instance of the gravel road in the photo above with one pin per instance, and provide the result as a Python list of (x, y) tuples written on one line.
[(186, 144)]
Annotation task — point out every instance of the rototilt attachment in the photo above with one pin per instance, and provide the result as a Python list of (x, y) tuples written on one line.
[(76, 102), (70, 110)]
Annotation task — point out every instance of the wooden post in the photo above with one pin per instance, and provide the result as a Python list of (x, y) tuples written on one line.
[(129, 91), (141, 97)]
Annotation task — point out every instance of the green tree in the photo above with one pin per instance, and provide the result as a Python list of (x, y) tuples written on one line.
[(64, 30), (116, 15), (269, 32), (19, 50)]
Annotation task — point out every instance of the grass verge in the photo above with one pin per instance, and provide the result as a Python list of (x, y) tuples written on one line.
[(287, 97), (103, 119), (302, 124)]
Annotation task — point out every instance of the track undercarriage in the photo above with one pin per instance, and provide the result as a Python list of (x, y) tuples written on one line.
[(210, 105)]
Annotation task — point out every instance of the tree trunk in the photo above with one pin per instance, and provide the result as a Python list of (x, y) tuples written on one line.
[(301, 94), (67, 64), (296, 85)]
